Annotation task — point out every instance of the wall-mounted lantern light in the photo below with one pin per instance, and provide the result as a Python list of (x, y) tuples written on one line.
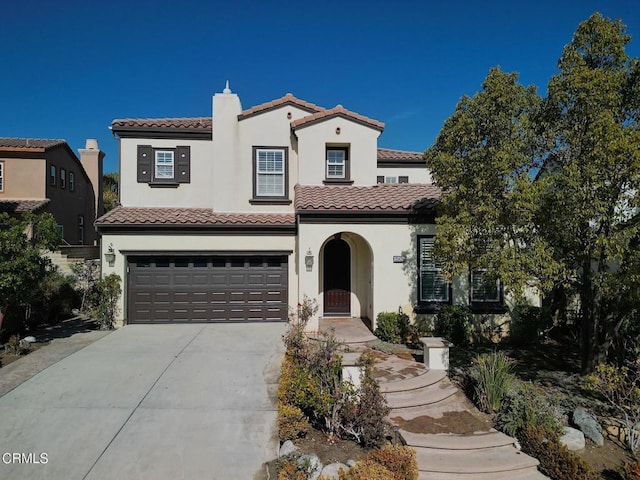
[(308, 260), (110, 255)]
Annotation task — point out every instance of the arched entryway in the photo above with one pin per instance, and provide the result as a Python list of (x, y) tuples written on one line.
[(337, 277)]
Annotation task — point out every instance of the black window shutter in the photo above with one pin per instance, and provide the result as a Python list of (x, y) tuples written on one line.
[(403, 179), (183, 162), (145, 161), (380, 179)]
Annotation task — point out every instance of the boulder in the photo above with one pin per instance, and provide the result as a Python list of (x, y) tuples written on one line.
[(331, 471), (312, 465), (572, 438), (588, 425), (30, 339), (287, 448), (351, 462)]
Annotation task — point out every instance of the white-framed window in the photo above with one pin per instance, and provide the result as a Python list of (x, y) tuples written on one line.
[(63, 178), (1, 176), (270, 172), (484, 288), (336, 162), (433, 286), (164, 164), (80, 230), (390, 179), (398, 179), (72, 181), (52, 175)]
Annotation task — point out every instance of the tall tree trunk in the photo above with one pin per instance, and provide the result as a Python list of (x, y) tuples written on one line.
[(589, 324)]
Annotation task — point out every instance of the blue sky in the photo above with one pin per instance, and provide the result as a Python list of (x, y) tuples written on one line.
[(69, 68)]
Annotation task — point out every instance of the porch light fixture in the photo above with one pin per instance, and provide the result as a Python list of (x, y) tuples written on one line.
[(308, 260), (110, 255)]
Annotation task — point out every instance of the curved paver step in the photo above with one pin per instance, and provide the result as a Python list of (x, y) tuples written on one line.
[(425, 379), (451, 441), (491, 460), (530, 473), (421, 396)]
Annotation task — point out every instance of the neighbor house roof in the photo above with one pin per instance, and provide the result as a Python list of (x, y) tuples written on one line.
[(22, 206), (337, 111), (196, 123), (387, 154), (190, 217), (30, 143), (288, 99), (406, 197)]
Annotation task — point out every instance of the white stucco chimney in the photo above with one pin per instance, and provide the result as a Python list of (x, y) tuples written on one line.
[(91, 158), (226, 108)]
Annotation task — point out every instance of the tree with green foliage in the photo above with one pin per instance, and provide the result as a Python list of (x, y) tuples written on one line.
[(22, 266), (545, 193), (110, 189)]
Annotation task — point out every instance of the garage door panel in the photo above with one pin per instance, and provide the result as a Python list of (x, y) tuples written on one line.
[(207, 289)]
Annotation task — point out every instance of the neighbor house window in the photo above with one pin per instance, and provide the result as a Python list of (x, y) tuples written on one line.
[(1, 176), (164, 166), (72, 181), (80, 230), (484, 288), (433, 287), (400, 179), (52, 175), (270, 173), (63, 178)]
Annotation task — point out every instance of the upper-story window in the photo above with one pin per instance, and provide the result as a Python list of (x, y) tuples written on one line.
[(399, 179), (72, 181), (1, 176), (166, 167), (433, 288), (337, 165), (484, 288), (80, 230), (52, 175), (63, 178), (270, 179)]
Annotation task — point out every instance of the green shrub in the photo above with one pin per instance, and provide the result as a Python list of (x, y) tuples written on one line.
[(556, 461), (103, 300), (630, 470), (288, 469), (15, 346), (387, 463), (492, 378), (526, 324), (454, 322), (393, 327), (296, 386), (524, 407), (55, 298), (292, 422), (367, 469)]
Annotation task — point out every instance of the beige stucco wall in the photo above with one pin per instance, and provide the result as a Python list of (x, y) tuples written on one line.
[(198, 193), (361, 140), (186, 242), (23, 178), (416, 175)]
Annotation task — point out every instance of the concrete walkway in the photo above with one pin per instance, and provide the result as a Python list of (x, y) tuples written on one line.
[(149, 402), (452, 440)]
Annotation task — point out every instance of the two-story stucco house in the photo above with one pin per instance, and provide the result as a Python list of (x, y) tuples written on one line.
[(43, 175), (238, 216)]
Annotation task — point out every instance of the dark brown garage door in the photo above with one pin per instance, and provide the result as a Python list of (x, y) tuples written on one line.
[(207, 289)]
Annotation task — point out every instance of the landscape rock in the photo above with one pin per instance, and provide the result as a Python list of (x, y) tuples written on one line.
[(311, 462), (572, 438), (286, 448), (30, 339), (588, 425), (331, 471), (351, 462)]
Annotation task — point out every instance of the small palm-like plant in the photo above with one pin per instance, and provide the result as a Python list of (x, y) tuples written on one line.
[(493, 378)]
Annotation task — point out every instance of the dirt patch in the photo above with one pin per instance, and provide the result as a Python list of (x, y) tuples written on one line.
[(605, 459), (6, 358), (460, 423)]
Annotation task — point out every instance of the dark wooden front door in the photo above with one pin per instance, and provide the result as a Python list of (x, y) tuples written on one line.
[(337, 278)]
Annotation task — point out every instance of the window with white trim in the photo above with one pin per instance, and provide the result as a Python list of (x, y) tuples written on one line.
[(1, 176), (270, 172), (433, 287), (336, 163), (484, 288), (164, 164)]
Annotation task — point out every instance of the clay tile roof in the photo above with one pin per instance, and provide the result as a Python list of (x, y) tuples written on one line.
[(389, 155), (192, 123), (21, 206), (190, 217), (288, 99), (9, 142), (404, 197), (337, 111)]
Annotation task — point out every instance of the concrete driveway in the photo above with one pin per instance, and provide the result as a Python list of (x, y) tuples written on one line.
[(149, 402)]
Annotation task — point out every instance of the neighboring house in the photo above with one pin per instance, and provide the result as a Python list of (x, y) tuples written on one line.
[(239, 216), (42, 175)]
